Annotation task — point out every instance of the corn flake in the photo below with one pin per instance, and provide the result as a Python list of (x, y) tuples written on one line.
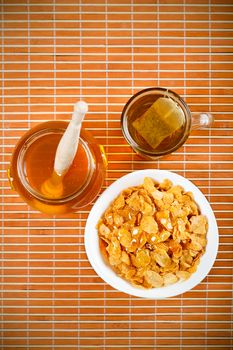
[(149, 224), (153, 279), (169, 278)]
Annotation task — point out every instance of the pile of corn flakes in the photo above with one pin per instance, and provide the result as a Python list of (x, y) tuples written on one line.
[(153, 234)]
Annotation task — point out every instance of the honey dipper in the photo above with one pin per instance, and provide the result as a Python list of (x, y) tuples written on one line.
[(65, 153)]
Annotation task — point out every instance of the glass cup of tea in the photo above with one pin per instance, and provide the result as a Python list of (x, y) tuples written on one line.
[(157, 121), (33, 163)]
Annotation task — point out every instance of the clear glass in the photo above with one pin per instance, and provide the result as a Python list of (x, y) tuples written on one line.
[(23, 180), (139, 103)]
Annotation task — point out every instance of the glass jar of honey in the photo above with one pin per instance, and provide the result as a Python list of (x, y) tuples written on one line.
[(33, 162)]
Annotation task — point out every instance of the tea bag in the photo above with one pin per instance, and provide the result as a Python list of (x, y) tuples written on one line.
[(161, 120)]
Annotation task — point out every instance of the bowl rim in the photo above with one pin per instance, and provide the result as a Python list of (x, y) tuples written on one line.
[(107, 273)]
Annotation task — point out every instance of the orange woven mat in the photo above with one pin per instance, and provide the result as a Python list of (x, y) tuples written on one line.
[(55, 52)]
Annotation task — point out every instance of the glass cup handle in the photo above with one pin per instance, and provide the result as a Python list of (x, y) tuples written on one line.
[(201, 121)]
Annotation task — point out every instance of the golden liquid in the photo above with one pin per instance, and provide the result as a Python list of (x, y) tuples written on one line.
[(39, 163), (136, 111), (37, 167)]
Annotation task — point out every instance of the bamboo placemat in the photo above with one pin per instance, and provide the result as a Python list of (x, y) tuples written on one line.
[(55, 52)]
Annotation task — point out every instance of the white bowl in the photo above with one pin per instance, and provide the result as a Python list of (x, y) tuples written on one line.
[(107, 273)]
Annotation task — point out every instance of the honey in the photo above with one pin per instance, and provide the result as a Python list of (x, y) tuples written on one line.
[(39, 163), (33, 163)]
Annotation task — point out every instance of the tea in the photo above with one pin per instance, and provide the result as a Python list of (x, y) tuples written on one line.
[(156, 123)]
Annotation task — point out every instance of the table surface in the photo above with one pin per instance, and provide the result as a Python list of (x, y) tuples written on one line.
[(56, 52)]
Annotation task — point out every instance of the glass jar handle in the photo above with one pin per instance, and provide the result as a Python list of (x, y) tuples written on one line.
[(201, 121)]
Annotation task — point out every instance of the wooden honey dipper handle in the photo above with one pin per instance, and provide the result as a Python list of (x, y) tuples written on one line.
[(68, 144)]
